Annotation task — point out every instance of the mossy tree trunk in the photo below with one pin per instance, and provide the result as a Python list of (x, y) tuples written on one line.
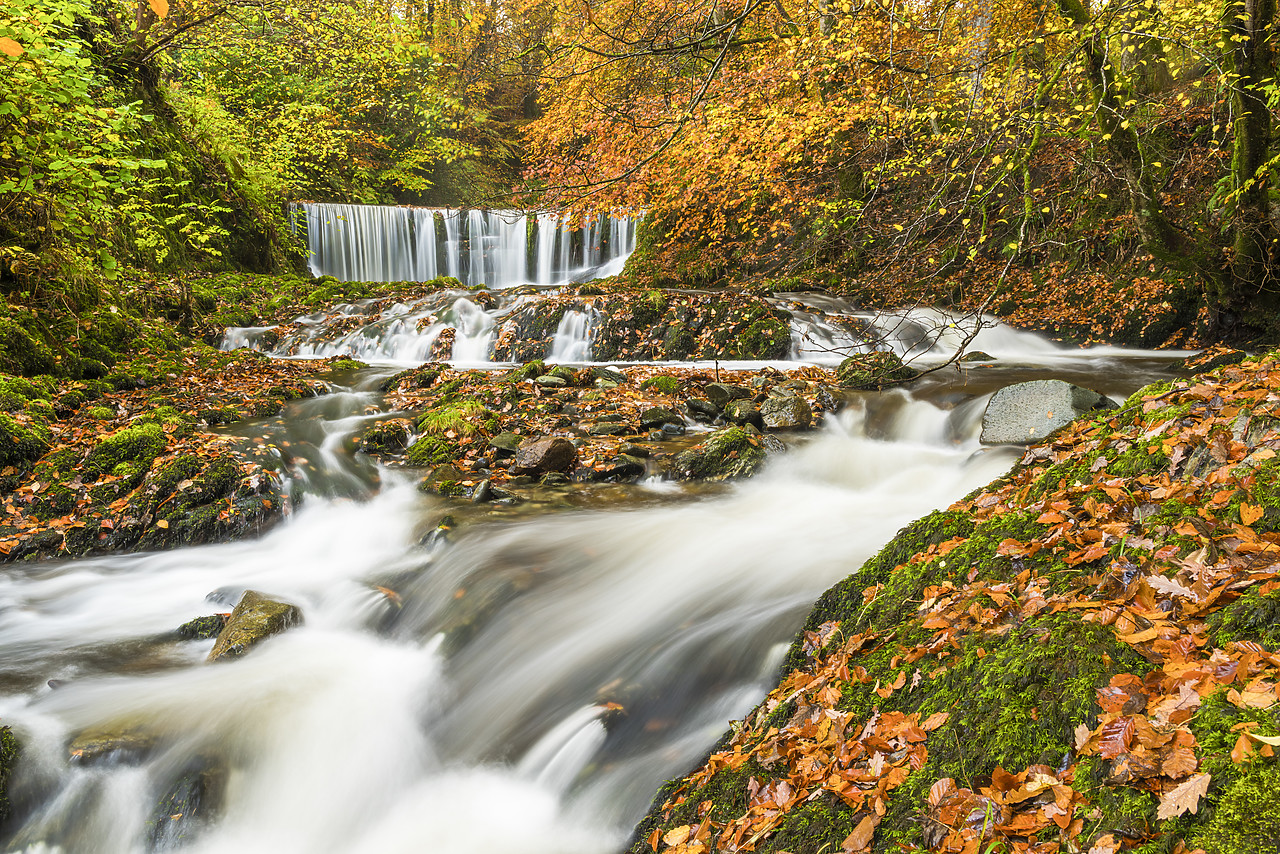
[(1238, 268)]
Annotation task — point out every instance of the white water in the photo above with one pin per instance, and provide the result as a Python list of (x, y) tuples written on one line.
[(364, 731), (380, 243)]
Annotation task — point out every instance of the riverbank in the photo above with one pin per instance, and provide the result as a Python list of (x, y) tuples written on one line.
[(1079, 656)]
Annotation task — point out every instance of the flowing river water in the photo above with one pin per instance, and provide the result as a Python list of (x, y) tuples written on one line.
[(530, 685)]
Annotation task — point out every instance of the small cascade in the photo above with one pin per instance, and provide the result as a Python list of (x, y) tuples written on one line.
[(574, 336), (474, 336), (380, 243)]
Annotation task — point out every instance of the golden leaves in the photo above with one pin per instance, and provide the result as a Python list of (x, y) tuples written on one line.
[(11, 48)]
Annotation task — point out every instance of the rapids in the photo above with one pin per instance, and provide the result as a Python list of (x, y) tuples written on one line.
[(527, 687)]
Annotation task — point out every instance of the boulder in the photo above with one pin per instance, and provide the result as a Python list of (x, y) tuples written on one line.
[(702, 409), (656, 416), (1027, 412), (254, 619), (608, 428), (544, 454), (786, 413), (743, 412), (390, 436), (721, 393), (203, 628), (506, 442), (873, 370), (550, 381), (732, 453)]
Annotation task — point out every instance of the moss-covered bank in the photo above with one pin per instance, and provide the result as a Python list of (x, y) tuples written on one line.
[(1078, 656)]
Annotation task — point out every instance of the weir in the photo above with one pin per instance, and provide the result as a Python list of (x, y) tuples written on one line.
[(496, 248)]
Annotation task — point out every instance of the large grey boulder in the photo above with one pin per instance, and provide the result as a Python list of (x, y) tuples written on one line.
[(1027, 412)]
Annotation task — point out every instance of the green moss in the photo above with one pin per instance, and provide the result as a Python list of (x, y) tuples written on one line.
[(678, 342), (1250, 618), (22, 440), (527, 371), (1247, 817), (9, 751), (140, 444), (662, 384), (22, 353), (100, 413), (432, 451), (873, 370)]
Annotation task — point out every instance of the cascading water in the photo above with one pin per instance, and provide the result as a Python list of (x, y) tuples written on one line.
[(384, 244)]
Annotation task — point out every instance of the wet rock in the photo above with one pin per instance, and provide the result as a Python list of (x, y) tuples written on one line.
[(202, 628), (483, 493), (608, 428), (977, 356), (610, 374), (187, 806), (9, 750), (549, 381), (1027, 412), (544, 454), (702, 409), (743, 412), (554, 478), (873, 370), (442, 346), (506, 442), (120, 741), (390, 436), (733, 453), (656, 416), (721, 394), (786, 413), (621, 468), (254, 619)]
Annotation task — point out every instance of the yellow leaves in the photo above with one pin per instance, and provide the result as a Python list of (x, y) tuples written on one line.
[(160, 7), (11, 48)]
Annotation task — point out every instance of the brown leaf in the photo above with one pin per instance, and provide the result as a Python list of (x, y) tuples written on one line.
[(860, 839), (1250, 513), (1184, 798)]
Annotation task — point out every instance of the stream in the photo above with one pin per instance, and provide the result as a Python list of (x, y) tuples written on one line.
[(530, 683)]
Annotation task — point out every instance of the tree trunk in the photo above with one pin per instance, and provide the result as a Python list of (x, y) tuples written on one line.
[(1249, 25)]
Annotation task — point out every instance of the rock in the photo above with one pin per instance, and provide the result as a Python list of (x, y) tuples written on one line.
[(658, 415), (610, 374), (701, 409), (442, 346), (483, 493), (254, 619), (124, 741), (549, 381), (544, 454), (202, 628), (390, 436), (1027, 412), (732, 453), (507, 442), (873, 370), (743, 412), (1211, 359), (721, 393), (786, 413), (977, 356), (608, 428), (621, 467)]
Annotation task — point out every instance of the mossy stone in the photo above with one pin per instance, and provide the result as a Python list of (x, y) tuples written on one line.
[(140, 444), (255, 618), (23, 440), (873, 370), (732, 453)]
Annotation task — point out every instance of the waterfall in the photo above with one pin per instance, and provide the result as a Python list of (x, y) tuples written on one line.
[(572, 341), (380, 243)]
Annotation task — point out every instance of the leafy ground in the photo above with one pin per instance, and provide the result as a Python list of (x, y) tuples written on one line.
[(91, 467), (1079, 657)]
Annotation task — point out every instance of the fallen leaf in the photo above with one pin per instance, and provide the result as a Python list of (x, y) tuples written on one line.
[(1184, 797)]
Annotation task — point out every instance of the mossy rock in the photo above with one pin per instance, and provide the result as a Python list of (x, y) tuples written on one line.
[(874, 370), (22, 353), (430, 451), (386, 437), (23, 440), (140, 444), (9, 752), (733, 453), (662, 384), (1247, 818), (202, 628), (255, 618)]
